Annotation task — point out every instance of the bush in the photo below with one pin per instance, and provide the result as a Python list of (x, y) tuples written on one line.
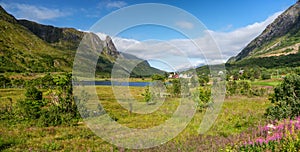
[(158, 77), (266, 76), (202, 97), (286, 99), (176, 87), (32, 93), (148, 96), (239, 88), (4, 82)]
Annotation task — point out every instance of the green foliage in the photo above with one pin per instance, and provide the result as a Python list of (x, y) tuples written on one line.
[(238, 87), (291, 60), (47, 81), (202, 97), (148, 96), (265, 76), (158, 77), (176, 87), (4, 81), (286, 99), (203, 80), (58, 108), (32, 93)]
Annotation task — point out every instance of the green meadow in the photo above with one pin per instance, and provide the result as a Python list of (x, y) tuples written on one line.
[(239, 114)]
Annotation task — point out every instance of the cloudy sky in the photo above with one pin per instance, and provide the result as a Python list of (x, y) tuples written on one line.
[(226, 26)]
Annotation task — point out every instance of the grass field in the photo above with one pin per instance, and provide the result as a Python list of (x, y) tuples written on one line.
[(239, 113), (271, 82)]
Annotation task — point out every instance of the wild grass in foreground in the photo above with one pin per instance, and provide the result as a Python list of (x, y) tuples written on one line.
[(238, 114)]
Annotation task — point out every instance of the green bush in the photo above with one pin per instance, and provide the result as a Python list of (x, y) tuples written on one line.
[(176, 87), (286, 99), (32, 93), (239, 88), (158, 77), (266, 76), (202, 97), (4, 82)]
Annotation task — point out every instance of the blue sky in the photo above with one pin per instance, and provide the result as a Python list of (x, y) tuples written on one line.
[(232, 23), (225, 15)]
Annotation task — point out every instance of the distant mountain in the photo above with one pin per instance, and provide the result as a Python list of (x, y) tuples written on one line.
[(277, 45), (27, 46)]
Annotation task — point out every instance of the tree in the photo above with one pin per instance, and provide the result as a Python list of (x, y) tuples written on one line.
[(158, 77), (30, 108), (286, 99), (176, 87)]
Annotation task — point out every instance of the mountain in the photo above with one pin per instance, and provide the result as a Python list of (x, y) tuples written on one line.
[(279, 42), (27, 46), (22, 51)]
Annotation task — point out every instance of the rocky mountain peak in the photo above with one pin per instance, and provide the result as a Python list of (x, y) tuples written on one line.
[(287, 22), (110, 47)]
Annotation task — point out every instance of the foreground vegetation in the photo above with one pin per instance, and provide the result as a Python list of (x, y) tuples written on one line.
[(32, 121)]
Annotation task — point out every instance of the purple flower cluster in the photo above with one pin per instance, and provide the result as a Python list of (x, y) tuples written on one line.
[(275, 132)]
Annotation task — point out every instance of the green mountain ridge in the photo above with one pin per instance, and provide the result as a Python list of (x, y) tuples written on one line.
[(277, 46), (27, 46)]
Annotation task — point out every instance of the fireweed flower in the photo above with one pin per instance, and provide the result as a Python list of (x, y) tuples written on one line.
[(276, 131)]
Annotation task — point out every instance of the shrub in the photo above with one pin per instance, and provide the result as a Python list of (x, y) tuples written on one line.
[(266, 76), (286, 99), (176, 87), (4, 82), (32, 93), (202, 97), (147, 95), (239, 88), (158, 77)]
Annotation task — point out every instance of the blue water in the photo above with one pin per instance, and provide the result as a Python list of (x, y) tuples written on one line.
[(114, 83)]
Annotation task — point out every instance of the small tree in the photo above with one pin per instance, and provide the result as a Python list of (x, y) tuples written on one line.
[(30, 108), (176, 87), (147, 95), (286, 99), (158, 77)]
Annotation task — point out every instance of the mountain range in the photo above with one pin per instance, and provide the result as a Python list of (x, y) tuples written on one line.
[(27, 46)]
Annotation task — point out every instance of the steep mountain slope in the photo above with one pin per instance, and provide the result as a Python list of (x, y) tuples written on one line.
[(22, 51), (280, 40), (61, 38), (26, 46)]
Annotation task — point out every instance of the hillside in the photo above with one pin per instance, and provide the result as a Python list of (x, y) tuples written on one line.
[(279, 42), (22, 51), (27, 46)]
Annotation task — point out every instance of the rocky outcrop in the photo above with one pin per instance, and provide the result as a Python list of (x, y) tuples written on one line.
[(64, 38), (287, 22), (47, 33), (109, 47)]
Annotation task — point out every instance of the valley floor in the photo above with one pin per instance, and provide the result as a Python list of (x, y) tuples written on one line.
[(239, 114)]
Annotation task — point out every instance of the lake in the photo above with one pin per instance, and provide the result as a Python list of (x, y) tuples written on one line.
[(115, 83)]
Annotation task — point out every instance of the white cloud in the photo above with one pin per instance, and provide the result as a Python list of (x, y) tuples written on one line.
[(116, 4), (233, 42), (32, 12), (183, 53), (185, 25), (110, 4)]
